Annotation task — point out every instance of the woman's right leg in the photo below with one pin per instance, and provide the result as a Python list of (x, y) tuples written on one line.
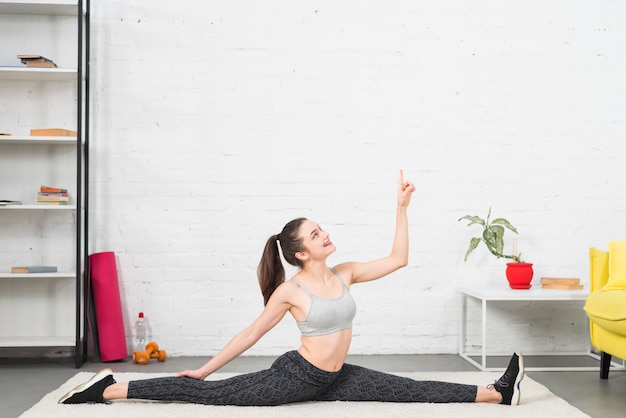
[(290, 379), (266, 387)]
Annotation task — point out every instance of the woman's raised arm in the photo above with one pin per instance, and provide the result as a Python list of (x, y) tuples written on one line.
[(358, 272)]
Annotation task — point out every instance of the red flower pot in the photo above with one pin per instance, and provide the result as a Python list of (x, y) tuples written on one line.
[(519, 275)]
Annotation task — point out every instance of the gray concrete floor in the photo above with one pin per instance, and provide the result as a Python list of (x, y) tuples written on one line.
[(24, 382)]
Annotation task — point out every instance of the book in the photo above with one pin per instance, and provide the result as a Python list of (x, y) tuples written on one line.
[(47, 202), (34, 269), (36, 61), (26, 57), (9, 202), (560, 280), (53, 194), (563, 286), (40, 64), (51, 198), (52, 132), (49, 189)]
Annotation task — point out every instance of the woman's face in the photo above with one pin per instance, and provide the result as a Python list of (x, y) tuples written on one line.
[(316, 241)]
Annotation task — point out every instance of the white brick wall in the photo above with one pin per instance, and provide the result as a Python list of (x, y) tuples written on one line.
[(215, 122)]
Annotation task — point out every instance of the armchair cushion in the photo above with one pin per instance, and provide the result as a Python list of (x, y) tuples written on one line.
[(607, 309), (617, 266), (599, 263)]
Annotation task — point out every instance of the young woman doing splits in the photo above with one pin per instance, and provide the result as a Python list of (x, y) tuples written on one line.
[(318, 298)]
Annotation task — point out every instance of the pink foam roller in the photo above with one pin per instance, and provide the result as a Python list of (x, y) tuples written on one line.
[(108, 306)]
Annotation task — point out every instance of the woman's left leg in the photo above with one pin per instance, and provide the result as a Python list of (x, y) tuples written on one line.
[(356, 383)]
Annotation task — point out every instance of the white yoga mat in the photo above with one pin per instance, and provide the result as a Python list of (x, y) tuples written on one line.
[(536, 401)]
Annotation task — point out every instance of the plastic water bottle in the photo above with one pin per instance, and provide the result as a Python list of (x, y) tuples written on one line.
[(142, 332)]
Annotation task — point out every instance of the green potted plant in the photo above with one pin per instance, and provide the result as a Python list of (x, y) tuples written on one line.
[(518, 273)]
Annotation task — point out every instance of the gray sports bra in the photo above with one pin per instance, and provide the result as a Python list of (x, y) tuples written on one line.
[(327, 316)]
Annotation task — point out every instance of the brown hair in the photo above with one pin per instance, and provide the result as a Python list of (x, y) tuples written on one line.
[(270, 271)]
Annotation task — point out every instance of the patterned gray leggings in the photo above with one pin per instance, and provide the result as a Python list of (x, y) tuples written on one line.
[(293, 379)]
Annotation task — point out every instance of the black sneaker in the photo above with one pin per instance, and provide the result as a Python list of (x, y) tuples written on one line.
[(91, 391), (508, 384)]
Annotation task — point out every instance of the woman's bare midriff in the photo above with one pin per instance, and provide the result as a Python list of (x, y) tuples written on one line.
[(327, 352)]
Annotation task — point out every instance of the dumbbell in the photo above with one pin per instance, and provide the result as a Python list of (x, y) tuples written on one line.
[(152, 351)]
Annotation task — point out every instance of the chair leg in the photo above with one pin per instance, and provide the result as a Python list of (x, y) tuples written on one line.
[(605, 364)]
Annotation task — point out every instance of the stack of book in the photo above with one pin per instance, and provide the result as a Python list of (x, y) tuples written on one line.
[(36, 61), (52, 196), (561, 283)]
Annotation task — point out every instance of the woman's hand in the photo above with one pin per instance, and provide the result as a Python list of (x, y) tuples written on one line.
[(405, 190), (194, 374)]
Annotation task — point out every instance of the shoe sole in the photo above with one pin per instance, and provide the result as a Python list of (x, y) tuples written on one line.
[(95, 379), (518, 379)]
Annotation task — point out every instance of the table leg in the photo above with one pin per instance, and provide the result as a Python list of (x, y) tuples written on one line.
[(484, 335), (462, 319)]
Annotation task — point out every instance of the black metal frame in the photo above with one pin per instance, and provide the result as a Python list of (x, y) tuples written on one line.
[(82, 181)]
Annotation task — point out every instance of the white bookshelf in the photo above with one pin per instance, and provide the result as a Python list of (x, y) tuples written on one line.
[(46, 309)]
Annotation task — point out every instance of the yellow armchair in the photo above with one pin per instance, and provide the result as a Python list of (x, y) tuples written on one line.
[(606, 304)]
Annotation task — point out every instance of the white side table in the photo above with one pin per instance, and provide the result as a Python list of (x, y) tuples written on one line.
[(486, 294)]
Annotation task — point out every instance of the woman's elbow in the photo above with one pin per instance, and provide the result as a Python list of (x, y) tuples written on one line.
[(401, 262)]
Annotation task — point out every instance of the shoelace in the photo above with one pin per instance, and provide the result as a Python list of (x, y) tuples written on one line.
[(500, 383)]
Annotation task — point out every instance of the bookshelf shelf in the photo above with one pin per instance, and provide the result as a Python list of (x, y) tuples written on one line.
[(38, 74), (52, 140), (39, 207), (39, 7), (60, 275), (56, 341)]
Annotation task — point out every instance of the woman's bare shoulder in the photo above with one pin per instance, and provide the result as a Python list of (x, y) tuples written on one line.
[(287, 290), (345, 271)]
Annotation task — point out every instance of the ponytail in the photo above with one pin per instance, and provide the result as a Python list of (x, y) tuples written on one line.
[(270, 271)]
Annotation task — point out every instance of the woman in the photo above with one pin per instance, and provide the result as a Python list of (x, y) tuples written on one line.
[(318, 298)]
